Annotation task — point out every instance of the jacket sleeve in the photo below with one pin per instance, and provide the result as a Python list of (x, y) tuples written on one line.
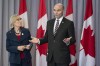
[(45, 38), (71, 33), (9, 47), (29, 38)]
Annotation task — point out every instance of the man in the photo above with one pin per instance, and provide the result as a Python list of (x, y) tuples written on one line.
[(59, 35)]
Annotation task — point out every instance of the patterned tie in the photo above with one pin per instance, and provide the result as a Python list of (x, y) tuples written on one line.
[(56, 27)]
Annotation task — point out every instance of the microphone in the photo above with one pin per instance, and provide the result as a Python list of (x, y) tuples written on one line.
[(31, 45)]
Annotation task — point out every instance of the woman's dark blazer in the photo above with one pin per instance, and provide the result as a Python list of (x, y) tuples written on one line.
[(12, 43)]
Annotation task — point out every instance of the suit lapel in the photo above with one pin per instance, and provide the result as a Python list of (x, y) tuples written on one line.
[(52, 26), (22, 35), (13, 35)]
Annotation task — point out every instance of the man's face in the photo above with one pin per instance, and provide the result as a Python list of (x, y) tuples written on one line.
[(58, 11)]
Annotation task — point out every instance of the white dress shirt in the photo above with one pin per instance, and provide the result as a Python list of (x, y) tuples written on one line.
[(60, 20)]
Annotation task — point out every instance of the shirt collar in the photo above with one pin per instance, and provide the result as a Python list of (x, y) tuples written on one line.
[(60, 19)]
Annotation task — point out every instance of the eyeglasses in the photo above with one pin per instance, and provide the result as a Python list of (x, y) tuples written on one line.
[(19, 19)]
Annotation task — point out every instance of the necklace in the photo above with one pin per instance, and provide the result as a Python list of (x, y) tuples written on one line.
[(17, 32)]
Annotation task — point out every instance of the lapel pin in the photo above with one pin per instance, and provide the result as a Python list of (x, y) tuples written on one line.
[(62, 22), (22, 33)]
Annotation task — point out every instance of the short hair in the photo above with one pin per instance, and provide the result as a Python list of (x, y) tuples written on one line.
[(13, 19), (61, 5)]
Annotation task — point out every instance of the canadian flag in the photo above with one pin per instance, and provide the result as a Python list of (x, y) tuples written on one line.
[(87, 43), (69, 16), (23, 13), (41, 50)]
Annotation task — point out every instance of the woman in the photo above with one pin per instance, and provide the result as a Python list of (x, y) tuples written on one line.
[(17, 43)]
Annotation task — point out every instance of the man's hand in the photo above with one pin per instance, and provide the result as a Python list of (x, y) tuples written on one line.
[(21, 48), (34, 40), (67, 39)]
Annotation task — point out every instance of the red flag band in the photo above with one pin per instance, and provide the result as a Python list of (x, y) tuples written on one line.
[(23, 12)]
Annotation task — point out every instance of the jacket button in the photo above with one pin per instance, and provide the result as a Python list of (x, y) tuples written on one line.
[(54, 40)]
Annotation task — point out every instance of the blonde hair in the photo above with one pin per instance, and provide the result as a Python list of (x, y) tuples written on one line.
[(13, 19)]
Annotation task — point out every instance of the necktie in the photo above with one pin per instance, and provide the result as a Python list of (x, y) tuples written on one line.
[(57, 26)]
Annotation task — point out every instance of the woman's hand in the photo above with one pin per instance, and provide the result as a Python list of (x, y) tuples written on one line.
[(21, 48)]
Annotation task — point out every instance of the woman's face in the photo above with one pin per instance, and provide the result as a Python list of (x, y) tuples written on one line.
[(18, 22)]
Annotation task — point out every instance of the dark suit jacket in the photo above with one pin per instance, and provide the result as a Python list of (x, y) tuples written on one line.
[(12, 42), (56, 47)]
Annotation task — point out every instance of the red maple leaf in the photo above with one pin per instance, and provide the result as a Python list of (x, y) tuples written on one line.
[(42, 48), (88, 42)]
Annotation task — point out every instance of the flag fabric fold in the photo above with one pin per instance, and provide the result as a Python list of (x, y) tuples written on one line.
[(72, 48), (87, 43), (41, 50)]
